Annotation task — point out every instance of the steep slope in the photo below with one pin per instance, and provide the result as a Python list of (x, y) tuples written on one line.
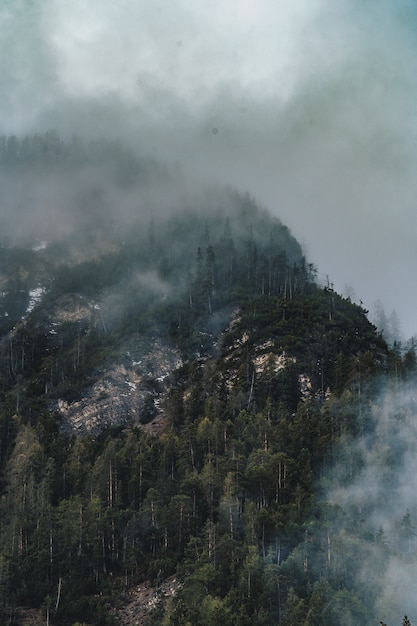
[(174, 391)]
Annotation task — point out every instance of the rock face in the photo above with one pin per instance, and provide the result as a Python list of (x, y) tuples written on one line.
[(126, 389), (141, 600), (71, 308), (126, 393)]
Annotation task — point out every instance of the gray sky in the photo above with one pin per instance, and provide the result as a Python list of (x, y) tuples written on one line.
[(307, 104)]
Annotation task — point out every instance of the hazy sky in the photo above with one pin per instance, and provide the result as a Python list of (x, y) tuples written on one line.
[(310, 105)]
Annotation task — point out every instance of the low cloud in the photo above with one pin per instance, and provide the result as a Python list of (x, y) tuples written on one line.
[(374, 483), (308, 106)]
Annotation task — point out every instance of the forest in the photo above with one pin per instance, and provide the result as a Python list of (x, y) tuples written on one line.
[(235, 472)]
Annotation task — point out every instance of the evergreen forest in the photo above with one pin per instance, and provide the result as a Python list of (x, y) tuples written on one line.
[(187, 411)]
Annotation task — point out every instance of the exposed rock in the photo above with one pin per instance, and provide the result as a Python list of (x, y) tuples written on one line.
[(129, 392), (277, 361), (143, 599), (71, 308)]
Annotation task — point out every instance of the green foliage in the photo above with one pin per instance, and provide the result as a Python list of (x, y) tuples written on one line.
[(276, 371)]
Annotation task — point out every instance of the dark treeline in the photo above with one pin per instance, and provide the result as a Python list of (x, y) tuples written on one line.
[(52, 151)]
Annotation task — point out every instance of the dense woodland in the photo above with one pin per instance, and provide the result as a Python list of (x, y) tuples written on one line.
[(278, 374)]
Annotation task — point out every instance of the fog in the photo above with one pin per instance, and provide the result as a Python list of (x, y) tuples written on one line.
[(374, 483), (309, 106)]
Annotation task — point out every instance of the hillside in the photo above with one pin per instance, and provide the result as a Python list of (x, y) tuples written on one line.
[(176, 391)]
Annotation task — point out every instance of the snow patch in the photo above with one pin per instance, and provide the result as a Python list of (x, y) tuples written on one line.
[(35, 296), (40, 246)]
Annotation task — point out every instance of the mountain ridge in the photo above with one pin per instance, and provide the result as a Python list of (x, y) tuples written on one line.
[(175, 392)]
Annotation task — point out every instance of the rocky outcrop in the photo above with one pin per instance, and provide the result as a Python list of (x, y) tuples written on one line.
[(140, 601), (127, 393)]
